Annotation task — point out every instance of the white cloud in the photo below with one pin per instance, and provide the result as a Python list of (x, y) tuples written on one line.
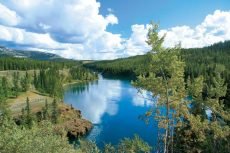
[(112, 19), (76, 29), (110, 10), (213, 29), (22, 37), (72, 21), (74, 25), (136, 44), (8, 17)]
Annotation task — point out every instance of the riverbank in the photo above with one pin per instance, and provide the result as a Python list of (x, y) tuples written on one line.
[(78, 82), (70, 119)]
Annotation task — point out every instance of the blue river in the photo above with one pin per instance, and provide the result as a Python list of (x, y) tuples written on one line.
[(114, 106)]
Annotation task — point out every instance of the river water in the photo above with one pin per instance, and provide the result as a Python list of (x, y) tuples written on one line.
[(114, 106)]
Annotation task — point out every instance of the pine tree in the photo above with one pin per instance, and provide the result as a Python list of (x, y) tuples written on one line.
[(2, 100), (165, 79), (5, 87), (16, 83), (45, 111), (29, 115), (203, 132), (4, 110), (220, 117), (35, 82), (23, 117), (55, 112), (25, 82)]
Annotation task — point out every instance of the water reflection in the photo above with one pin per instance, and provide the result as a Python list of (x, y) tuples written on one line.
[(98, 98), (113, 106), (142, 98)]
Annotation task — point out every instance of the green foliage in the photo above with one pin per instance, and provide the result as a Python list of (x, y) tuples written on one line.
[(29, 64), (25, 82), (80, 73), (16, 83), (39, 139), (3, 105), (49, 81), (55, 112), (109, 148), (45, 111), (88, 147), (29, 118), (133, 145), (131, 66), (165, 80), (126, 145), (4, 111), (202, 133), (153, 38), (5, 87)]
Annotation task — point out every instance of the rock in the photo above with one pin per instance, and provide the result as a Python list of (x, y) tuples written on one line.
[(73, 123), (77, 127)]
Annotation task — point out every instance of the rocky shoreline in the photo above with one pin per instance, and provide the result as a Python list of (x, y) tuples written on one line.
[(73, 123)]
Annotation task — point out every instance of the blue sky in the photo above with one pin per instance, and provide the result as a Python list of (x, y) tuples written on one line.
[(169, 13), (108, 29)]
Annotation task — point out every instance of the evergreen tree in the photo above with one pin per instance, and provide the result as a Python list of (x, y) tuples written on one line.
[(29, 115), (4, 110), (16, 83), (165, 79), (23, 118), (45, 111), (205, 132), (35, 81), (5, 87), (2, 101), (25, 82), (55, 112), (219, 130)]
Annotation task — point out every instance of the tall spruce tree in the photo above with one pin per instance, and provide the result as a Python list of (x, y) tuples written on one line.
[(165, 79), (5, 87), (25, 82), (45, 111), (55, 112), (29, 115), (16, 87)]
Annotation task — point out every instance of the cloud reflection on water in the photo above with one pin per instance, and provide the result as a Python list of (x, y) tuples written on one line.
[(99, 99), (113, 106)]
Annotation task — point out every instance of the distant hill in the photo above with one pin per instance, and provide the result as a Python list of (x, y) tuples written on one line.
[(197, 60), (6, 52)]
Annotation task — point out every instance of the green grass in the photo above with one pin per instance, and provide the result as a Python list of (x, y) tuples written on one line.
[(37, 101)]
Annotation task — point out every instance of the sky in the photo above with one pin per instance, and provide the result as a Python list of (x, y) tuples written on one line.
[(109, 29)]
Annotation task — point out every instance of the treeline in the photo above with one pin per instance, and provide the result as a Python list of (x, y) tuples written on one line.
[(9, 63), (203, 61), (12, 88), (49, 81), (131, 66), (81, 73), (198, 61), (45, 76)]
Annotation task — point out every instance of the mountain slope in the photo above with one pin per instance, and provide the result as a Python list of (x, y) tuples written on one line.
[(6, 52)]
